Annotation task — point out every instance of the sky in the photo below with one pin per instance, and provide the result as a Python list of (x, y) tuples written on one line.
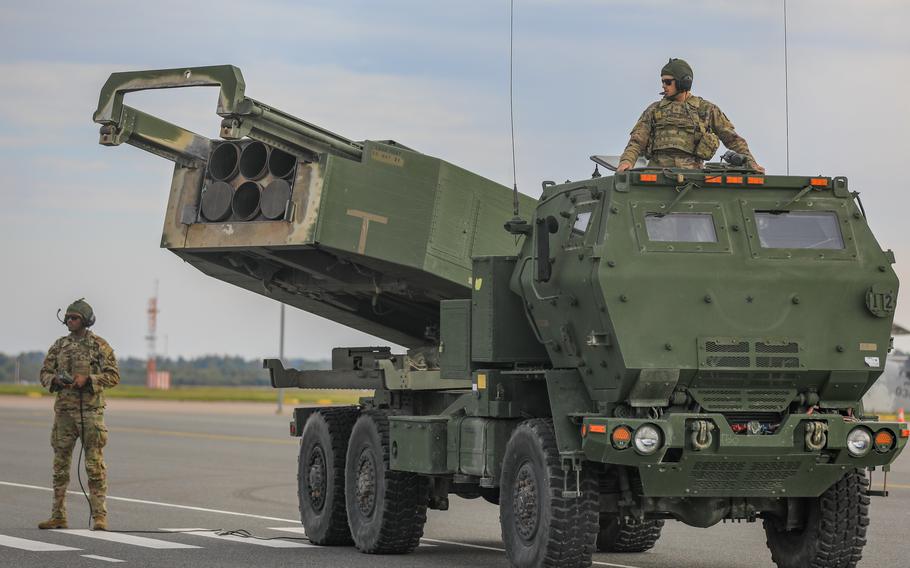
[(79, 219)]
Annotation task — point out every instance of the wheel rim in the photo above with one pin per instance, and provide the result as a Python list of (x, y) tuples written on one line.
[(317, 477), (525, 502), (366, 484)]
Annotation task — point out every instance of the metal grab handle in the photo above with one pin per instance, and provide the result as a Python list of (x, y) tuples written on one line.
[(228, 77)]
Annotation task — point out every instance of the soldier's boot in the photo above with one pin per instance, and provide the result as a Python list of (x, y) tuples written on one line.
[(58, 513), (99, 523), (52, 523)]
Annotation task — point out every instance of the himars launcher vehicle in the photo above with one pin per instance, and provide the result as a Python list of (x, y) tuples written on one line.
[(655, 344)]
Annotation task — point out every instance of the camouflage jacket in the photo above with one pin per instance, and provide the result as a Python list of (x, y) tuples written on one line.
[(89, 355), (674, 125)]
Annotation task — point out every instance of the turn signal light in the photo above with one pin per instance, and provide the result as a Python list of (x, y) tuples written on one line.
[(884, 440), (647, 177), (818, 182), (905, 433), (713, 179), (755, 180), (621, 437), (597, 429), (734, 179)]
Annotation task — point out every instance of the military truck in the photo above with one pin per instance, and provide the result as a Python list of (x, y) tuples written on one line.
[(650, 345)]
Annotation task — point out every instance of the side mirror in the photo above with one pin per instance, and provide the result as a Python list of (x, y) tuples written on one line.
[(545, 227)]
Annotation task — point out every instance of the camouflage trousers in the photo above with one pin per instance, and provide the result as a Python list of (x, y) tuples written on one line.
[(68, 428), (674, 159)]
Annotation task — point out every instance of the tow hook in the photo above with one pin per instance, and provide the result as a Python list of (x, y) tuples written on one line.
[(816, 436), (701, 434)]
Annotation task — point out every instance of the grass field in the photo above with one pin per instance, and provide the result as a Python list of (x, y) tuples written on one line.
[(235, 394)]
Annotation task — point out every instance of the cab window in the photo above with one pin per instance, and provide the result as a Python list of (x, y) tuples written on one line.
[(681, 228), (799, 230)]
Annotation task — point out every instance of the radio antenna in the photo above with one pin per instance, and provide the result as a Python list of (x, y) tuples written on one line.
[(786, 89), (511, 108)]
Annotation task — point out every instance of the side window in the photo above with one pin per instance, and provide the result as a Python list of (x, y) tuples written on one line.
[(799, 230), (582, 220), (681, 228)]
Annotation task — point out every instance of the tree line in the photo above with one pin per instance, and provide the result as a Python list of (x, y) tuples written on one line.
[(208, 370)]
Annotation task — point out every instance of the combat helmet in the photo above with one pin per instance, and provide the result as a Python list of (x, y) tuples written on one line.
[(82, 308), (681, 71)]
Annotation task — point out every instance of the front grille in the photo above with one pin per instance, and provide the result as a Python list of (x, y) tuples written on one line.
[(715, 347), (739, 400), (761, 347), (742, 477), (740, 353), (777, 362), (721, 361)]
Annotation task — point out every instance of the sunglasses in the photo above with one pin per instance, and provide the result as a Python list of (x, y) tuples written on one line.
[(667, 82), (69, 317)]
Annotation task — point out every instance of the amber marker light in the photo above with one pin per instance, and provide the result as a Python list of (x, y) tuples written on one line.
[(734, 179), (905, 433), (648, 177), (884, 441), (713, 179), (621, 437), (818, 182), (755, 180)]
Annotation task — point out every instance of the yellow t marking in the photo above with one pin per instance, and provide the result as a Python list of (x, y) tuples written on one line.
[(365, 226)]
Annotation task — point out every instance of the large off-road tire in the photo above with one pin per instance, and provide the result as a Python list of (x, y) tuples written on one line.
[(320, 475), (627, 535), (386, 509), (540, 527), (834, 532)]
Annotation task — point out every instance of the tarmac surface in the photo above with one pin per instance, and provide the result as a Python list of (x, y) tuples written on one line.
[(175, 466)]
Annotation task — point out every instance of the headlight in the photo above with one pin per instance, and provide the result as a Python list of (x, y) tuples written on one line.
[(647, 439), (859, 442)]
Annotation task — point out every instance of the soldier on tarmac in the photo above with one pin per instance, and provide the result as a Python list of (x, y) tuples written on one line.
[(681, 130), (79, 367)]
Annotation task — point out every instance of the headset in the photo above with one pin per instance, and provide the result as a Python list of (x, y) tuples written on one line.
[(86, 322), (683, 83)]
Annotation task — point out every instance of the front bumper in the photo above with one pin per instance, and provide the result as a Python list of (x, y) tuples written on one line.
[(739, 465)]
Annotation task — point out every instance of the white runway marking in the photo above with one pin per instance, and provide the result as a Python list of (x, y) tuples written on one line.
[(296, 530), (302, 532), (208, 533), (104, 558), (292, 521), (159, 504), (127, 539), (32, 545)]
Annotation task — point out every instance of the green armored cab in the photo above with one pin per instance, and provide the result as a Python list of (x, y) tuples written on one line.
[(651, 345)]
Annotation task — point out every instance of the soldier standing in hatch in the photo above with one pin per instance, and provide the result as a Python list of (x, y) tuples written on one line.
[(682, 130), (79, 409)]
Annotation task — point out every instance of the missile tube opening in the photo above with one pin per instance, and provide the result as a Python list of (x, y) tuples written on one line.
[(224, 161), (254, 160), (246, 201), (281, 164)]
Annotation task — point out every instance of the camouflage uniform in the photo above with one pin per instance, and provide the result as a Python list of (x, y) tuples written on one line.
[(669, 131), (88, 355)]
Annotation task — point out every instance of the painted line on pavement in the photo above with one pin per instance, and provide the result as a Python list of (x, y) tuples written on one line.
[(104, 558), (32, 545), (122, 538), (209, 533), (159, 504), (222, 512), (477, 546), (178, 433), (302, 532)]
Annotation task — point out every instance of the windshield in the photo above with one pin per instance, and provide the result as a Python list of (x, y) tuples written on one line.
[(799, 230), (681, 227)]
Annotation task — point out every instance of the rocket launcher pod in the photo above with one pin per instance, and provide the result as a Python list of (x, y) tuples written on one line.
[(369, 234)]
